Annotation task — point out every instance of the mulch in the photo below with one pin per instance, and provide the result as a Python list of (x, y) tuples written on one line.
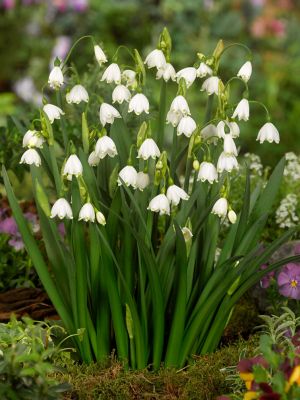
[(31, 302)]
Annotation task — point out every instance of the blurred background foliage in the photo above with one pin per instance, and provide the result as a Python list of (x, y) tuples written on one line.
[(34, 32)]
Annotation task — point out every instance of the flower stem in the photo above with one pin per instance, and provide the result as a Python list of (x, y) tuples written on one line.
[(173, 154), (62, 121), (162, 114)]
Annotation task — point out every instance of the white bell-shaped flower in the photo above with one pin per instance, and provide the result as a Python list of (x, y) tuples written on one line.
[(148, 149), (77, 94), (173, 118), (72, 166), (220, 207), (112, 74), (160, 203), (31, 157), (211, 85), (87, 213), (93, 159), (156, 59), (142, 180), (204, 70), (61, 209), (268, 133), (100, 218), (56, 78), (209, 134), (245, 71), (53, 112), (175, 194), (105, 146), (227, 162), (128, 77), (108, 114), (138, 104), (32, 139), (207, 172), (120, 94), (128, 175), (242, 110), (232, 216), (100, 55), (189, 74), (180, 106), (232, 128), (167, 72), (229, 145), (186, 126)]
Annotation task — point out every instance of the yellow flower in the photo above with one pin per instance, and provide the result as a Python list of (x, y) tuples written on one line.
[(250, 395), (294, 378)]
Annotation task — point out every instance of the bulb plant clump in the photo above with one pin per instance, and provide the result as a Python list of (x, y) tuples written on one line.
[(136, 268)]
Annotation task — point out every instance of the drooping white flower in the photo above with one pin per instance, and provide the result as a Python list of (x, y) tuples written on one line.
[(61, 209), (175, 194), (53, 112), (186, 126), (204, 70), (160, 203), (93, 159), (139, 103), (32, 139), (100, 55), (31, 156), (167, 72), (187, 233), (209, 134), (128, 77), (242, 110), (100, 218), (245, 71), (220, 207), (233, 128), (227, 162), (142, 180), (232, 216), (156, 59), (207, 172), (105, 146), (189, 74), (56, 78), (211, 85), (173, 118), (73, 166), (112, 74), (148, 149), (180, 106), (268, 132), (108, 114), (129, 175), (77, 94), (120, 94), (229, 145), (87, 213)]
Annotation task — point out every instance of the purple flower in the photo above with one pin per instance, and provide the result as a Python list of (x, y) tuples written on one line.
[(266, 280), (8, 226), (289, 281)]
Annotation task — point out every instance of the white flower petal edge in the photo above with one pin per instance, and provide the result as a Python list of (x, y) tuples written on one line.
[(31, 157), (139, 103), (32, 139), (128, 175), (56, 78), (105, 146), (73, 166), (53, 112), (100, 55), (220, 207), (112, 74), (77, 94), (207, 172), (156, 59), (87, 213), (148, 149), (108, 113), (245, 71), (268, 132)]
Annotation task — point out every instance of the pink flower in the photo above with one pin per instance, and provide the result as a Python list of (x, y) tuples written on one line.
[(289, 281)]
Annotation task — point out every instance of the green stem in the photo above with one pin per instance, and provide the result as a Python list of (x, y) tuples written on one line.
[(73, 47), (173, 154), (62, 121), (162, 114)]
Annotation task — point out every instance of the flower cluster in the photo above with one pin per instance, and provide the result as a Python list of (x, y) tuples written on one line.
[(286, 213), (127, 91)]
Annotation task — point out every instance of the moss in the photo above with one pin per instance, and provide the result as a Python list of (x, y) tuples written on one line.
[(201, 380)]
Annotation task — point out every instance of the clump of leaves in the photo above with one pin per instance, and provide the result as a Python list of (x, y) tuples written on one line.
[(27, 353), (274, 373)]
